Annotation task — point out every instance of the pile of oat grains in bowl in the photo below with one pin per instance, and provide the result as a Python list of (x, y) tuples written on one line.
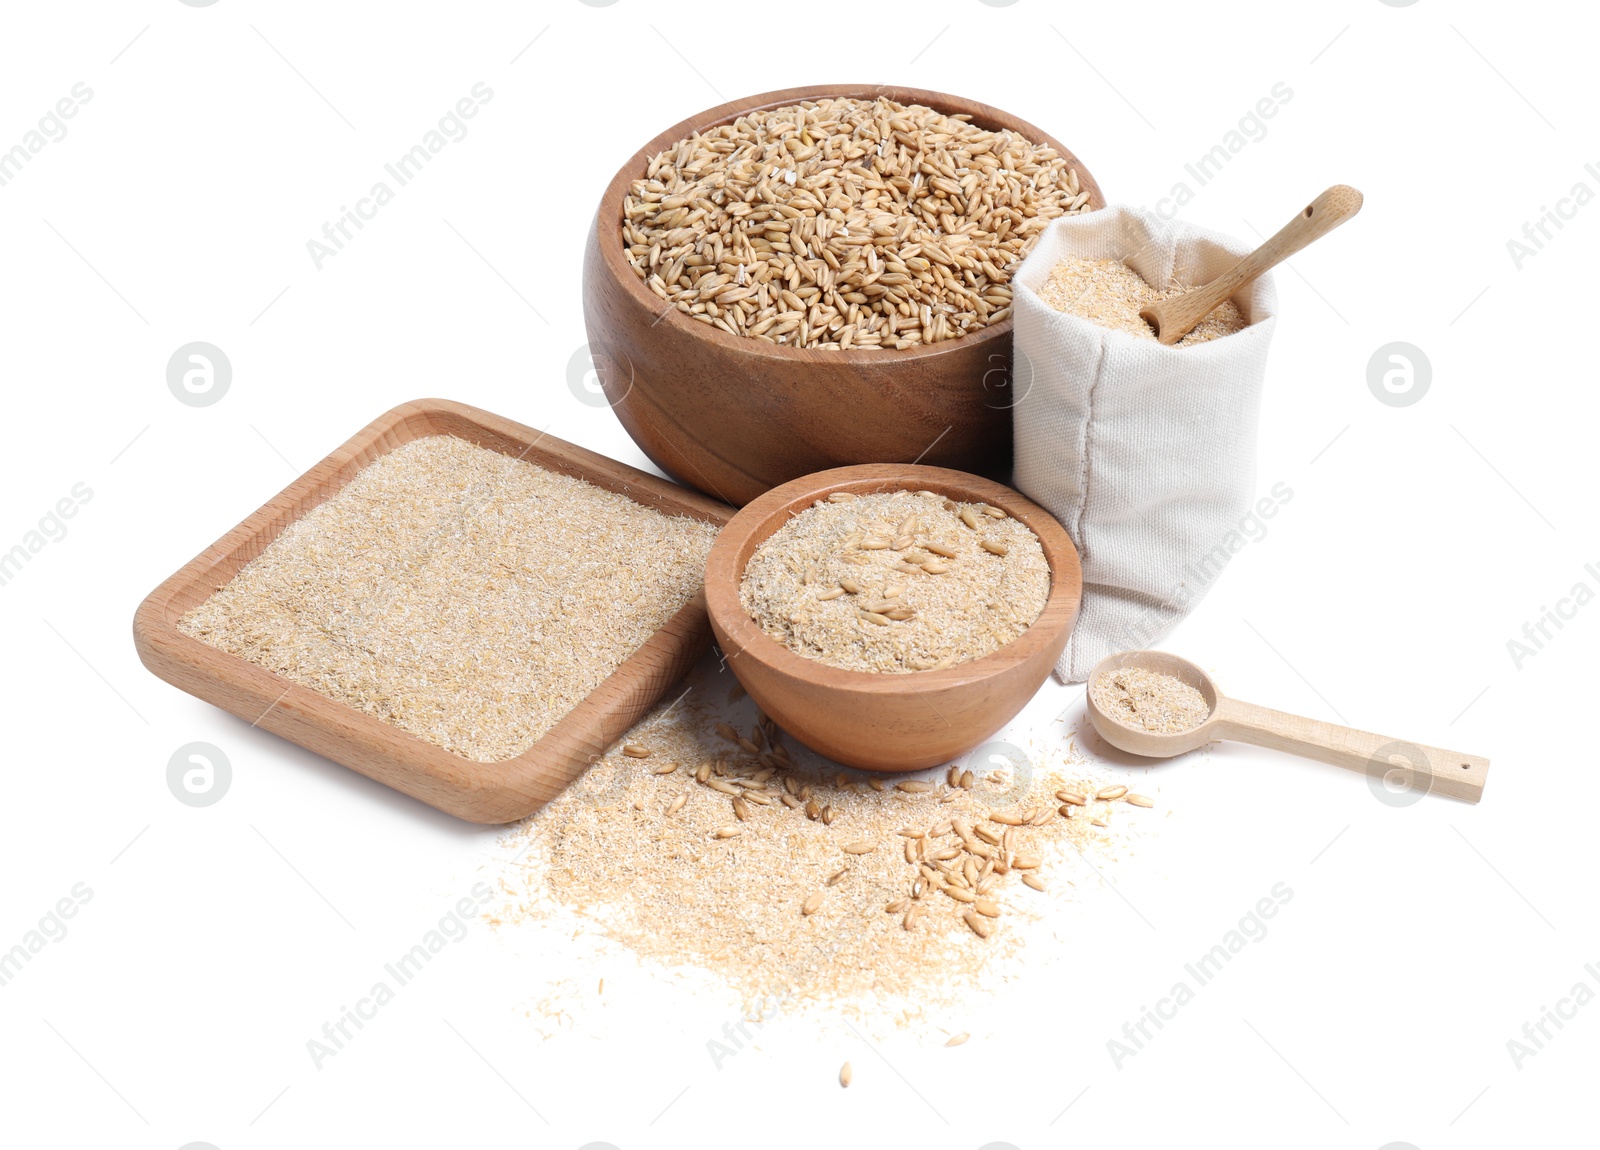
[(845, 223)]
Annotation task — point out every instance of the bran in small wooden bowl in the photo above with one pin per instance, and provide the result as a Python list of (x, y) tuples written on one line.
[(879, 720)]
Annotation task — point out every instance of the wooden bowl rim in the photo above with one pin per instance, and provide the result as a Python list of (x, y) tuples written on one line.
[(608, 217), (761, 517)]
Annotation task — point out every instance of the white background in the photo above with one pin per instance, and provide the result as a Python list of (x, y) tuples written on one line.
[(1419, 540)]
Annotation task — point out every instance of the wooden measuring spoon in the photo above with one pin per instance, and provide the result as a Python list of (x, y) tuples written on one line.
[(1177, 316), (1379, 757)]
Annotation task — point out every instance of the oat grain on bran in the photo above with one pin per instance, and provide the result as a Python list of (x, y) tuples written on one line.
[(669, 889), (928, 583), (467, 597)]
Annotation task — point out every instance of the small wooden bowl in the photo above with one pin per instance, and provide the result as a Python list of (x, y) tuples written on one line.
[(479, 792), (734, 416), (888, 722)]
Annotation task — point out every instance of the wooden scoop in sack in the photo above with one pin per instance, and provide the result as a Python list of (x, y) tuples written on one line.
[(1176, 317)]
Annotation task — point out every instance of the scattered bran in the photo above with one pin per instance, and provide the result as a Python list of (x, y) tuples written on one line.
[(666, 886)]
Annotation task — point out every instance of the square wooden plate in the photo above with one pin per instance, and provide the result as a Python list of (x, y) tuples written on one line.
[(480, 792)]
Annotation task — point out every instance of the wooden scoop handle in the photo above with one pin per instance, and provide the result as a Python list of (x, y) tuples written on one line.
[(1378, 756), (1175, 318)]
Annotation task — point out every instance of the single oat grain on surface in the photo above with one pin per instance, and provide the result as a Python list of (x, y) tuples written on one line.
[(467, 597), (844, 224), (896, 581), (1111, 294), (1150, 701)]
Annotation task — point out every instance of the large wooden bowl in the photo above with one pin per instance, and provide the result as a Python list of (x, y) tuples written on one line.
[(734, 416), (878, 721)]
